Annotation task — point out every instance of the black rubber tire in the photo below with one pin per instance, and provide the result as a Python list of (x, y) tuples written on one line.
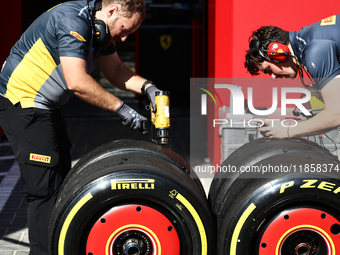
[(253, 152), (249, 202), (130, 146), (174, 194)]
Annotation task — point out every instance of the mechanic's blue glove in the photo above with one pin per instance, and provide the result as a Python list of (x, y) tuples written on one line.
[(150, 92), (130, 117)]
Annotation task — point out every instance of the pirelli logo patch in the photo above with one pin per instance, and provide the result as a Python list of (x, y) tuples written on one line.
[(132, 184), (78, 36), (40, 158), (328, 21)]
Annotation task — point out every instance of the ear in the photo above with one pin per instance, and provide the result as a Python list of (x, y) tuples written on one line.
[(113, 9)]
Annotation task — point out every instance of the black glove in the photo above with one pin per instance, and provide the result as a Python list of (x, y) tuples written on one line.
[(150, 92), (130, 117)]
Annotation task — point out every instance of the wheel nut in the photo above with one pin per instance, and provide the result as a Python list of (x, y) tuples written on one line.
[(132, 246), (302, 249)]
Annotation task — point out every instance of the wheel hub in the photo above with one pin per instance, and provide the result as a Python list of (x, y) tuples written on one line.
[(133, 246), (133, 230), (132, 243), (302, 231)]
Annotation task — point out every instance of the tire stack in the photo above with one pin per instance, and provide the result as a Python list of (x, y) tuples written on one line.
[(134, 198), (295, 209)]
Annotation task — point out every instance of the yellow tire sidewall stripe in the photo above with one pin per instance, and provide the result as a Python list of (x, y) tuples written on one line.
[(191, 209), (239, 225), (68, 221)]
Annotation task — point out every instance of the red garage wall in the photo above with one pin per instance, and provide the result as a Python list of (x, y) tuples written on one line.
[(10, 19), (231, 22)]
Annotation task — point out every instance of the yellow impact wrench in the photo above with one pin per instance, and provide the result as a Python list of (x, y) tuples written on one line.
[(161, 118)]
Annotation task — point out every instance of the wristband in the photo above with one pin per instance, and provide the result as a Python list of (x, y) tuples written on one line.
[(144, 85)]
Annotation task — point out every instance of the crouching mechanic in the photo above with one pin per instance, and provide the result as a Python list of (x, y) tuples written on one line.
[(51, 62), (283, 54)]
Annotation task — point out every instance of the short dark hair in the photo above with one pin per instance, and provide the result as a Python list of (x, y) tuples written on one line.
[(266, 35), (129, 7)]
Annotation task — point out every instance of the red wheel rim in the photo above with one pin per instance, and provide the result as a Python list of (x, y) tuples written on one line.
[(133, 229), (303, 231)]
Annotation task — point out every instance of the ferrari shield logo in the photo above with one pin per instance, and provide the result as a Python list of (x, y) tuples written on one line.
[(165, 41)]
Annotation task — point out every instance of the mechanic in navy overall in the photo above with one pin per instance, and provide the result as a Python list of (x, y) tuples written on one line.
[(283, 54), (50, 63)]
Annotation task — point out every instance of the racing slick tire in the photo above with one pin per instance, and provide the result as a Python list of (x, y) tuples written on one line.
[(295, 210), (130, 146), (251, 153), (118, 200)]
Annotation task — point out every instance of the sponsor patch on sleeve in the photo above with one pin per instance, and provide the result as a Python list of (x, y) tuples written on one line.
[(328, 21), (78, 36)]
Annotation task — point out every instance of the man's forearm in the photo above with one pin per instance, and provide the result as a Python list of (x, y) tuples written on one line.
[(126, 79), (321, 123), (119, 74), (91, 92), (84, 86)]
